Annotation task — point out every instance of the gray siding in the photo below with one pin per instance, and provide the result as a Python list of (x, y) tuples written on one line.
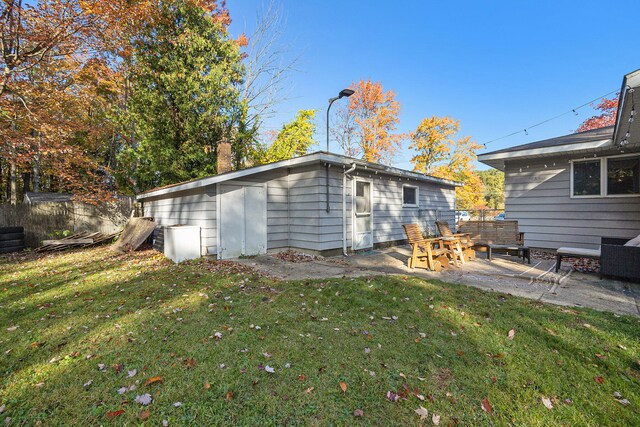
[(296, 208), (436, 202), (539, 198), (192, 207)]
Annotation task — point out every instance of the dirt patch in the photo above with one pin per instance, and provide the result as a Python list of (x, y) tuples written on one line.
[(292, 256), (442, 378)]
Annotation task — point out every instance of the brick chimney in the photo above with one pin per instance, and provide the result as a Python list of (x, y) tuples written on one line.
[(224, 156)]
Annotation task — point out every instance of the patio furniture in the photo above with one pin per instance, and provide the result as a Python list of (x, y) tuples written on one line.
[(454, 246), (483, 233), (497, 236), (620, 258), (465, 242), (567, 252), (425, 253), (523, 251)]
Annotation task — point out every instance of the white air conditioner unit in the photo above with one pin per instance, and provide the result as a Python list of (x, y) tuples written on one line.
[(182, 242)]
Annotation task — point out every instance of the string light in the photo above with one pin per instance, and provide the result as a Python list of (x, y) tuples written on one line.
[(528, 128)]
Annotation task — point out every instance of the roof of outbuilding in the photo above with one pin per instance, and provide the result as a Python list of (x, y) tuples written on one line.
[(44, 197), (317, 157)]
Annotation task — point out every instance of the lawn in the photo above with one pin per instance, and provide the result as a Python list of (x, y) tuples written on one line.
[(93, 336)]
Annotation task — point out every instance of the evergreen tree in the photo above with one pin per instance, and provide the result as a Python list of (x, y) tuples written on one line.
[(185, 77)]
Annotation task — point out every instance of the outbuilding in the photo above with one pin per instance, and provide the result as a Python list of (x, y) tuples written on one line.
[(318, 203)]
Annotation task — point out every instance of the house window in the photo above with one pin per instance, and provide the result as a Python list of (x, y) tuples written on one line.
[(409, 196), (586, 178), (363, 197), (623, 176)]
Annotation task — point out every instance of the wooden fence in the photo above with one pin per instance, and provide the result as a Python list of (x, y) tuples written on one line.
[(46, 220)]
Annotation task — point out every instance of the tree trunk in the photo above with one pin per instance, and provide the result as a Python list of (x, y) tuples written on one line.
[(36, 173), (13, 183)]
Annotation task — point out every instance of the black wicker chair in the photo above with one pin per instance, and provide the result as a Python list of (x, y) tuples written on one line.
[(619, 260)]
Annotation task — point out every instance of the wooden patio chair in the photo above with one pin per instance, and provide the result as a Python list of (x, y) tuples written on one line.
[(466, 244), (425, 253)]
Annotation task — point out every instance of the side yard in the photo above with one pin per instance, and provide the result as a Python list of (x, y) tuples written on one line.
[(116, 339)]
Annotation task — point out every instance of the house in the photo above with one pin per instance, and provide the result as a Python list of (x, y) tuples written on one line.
[(320, 203), (574, 189)]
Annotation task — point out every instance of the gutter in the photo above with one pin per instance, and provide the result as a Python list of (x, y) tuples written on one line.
[(344, 208)]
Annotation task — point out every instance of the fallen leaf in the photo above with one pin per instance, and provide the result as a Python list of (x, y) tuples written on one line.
[(547, 402), (2, 408), (144, 399), (207, 386), (624, 402), (309, 390), (486, 406), (269, 369), (190, 362), (435, 419), (598, 379), (358, 413), (111, 415), (144, 415), (153, 380), (229, 396), (512, 334), (422, 412), (599, 356), (118, 367), (12, 328), (177, 404), (85, 385), (392, 396), (301, 377), (343, 387), (132, 373)]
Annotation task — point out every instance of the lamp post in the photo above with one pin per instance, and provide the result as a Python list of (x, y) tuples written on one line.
[(344, 93)]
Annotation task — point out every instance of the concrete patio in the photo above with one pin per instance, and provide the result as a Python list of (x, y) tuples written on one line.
[(507, 274)]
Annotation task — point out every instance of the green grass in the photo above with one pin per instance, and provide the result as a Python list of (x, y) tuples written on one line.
[(77, 310)]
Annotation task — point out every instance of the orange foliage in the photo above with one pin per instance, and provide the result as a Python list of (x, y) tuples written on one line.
[(376, 114), (609, 108)]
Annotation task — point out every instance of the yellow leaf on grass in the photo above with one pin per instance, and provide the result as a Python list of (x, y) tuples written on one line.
[(153, 380)]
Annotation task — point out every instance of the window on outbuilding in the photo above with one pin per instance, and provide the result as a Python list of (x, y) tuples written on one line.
[(363, 197), (409, 196), (623, 176), (586, 178)]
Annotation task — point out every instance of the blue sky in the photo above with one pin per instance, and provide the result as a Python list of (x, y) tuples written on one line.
[(497, 66)]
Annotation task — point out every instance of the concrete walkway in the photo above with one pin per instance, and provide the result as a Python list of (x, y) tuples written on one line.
[(504, 274)]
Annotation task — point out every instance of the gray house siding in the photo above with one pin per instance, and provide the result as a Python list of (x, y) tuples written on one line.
[(537, 194), (192, 207), (436, 202), (296, 208)]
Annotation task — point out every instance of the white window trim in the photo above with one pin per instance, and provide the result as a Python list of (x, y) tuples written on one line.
[(370, 212), (603, 177), (411, 205)]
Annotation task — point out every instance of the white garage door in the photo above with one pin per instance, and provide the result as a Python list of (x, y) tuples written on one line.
[(242, 221)]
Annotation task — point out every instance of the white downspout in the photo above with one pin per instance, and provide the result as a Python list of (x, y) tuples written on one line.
[(344, 208)]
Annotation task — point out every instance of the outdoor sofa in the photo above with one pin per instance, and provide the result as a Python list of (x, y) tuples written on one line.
[(618, 257)]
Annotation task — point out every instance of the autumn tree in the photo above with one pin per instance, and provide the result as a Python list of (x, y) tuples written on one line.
[(294, 139), (439, 154), (185, 79), (493, 183), (43, 49), (609, 108), (366, 126)]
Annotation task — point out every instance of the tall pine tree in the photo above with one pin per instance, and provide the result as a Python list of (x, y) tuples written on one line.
[(185, 77)]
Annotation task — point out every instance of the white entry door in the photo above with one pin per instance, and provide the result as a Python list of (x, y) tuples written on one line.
[(242, 220), (362, 215)]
